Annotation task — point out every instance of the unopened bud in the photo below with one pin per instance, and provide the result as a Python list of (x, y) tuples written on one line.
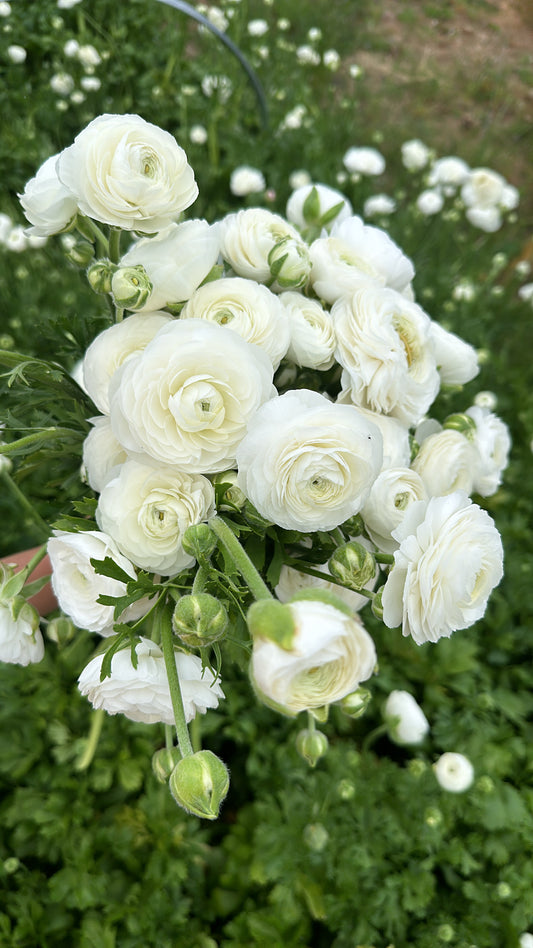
[(199, 541), (199, 620), (462, 423), (353, 565), (163, 762), (311, 745), (232, 496), (377, 603), (316, 837), (446, 933), (272, 620), (99, 275), (356, 703), (23, 612), (81, 253), (354, 525), (199, 784), (60, 630), (289, 262), (131, 287), (346, 789)]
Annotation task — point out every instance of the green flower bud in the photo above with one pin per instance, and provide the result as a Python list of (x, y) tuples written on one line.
[(254, 517), (131, 287), (346, 789), (60, 630), (354, 525), (504, 890), (164, 761), (356, 703), (21, 610), (463, 423), (199, 541), (270, 619), (485, 784), (353, 565), (199, 784), (433, 817), (81, 253), (233, 495), (417, 767), (99, 275), (446, 933), (377, 603), (11, 865), (289, 262), (199, 620), (311, 745), (316, 837)]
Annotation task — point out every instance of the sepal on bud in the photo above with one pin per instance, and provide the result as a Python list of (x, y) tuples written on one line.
[(356, 703), (377, 603), (164, 761), (199, 541), (81, 253), (23, 612), (462, 423), (289, 262), (99, 275), (131, 287), (199, 620), (271, 620), (199, 784), (60, 630), (232, 496), (353, 565), (311, 745)]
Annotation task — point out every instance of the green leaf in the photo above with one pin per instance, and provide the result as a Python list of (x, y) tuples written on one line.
[(108, 567)]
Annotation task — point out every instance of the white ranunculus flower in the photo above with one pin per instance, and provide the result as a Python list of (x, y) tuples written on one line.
[(246, 180), (406, 721), (16, 53), (510, 198), (292, 581), (488, 219), (327, 199), (128, 173), (142, 693), (395, 435), (379, 204), (187, 398), (307, 464), (253, 240), (526, 940), (47, 204), (364, 161), (391, 495), (101, 452), (446, 463), (357, 254), (383, 342), (21, 642), (430, 202), (483, 188), (449, 560), (147, 510), (113, 347), (77, 586), (248, 308), (492, 443), (454, 772), (177, 260), (331, 654), (312, 337), (457, 360), (415, 155), (449, 173)]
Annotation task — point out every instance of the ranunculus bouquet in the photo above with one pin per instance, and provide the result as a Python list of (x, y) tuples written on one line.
[(258, 461)]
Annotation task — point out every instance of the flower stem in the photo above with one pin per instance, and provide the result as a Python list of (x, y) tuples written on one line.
[(167, 642), (29, 509), (304, 568), (97, 720), (242, 561), (114, 244)]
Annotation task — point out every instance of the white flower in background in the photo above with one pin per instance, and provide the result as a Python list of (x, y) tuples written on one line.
[(299, 179), (526, 940), (142, 693), (430, 202), (331, 654), (312, 337), (294, 118), (510, 198), (464, 290), (62, 83), (357, 254), (257, 27), (71, 48), (77, 586), (307, 55), (254, 240), (314, 34), (219, 86), (457, 360), (391, 495), (21, 642), (406, 721), (448, 173), (355, 71), (67, 4), (17, 54), (246, 308), (449, 561), (5, 8), (198, 135), (383, 342), (147, 510), (327, 199), (525, 292), (216, 17), (379, 204), (454, 772), (307, 464), (88, 56), (483, 188), (492, 444), (187, 398), (77, 97), (367, 161), (331, 59), (16, 240), (5, 226), (112, 347), (90, 83), (246, 180), (292, 581), (176, 260), (446, 463), (415, 155), (488, 219), (128, 173), (47, 203), (486, 400), (101, 452)]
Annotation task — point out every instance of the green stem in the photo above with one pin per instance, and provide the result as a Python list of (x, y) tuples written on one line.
[(200, 580), (114, 244), (44, 434), (167, 642), (304, 568), (311, 722), (242, 561), (97, 720), (169, 737), (119, 314), (383, 557), (196, 733), (31, 511), (88, 228)]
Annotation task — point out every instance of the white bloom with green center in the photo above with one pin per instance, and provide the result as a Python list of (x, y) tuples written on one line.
[(307, 464), (454, 772), (142, 693), (128, 173), (48, 205), (147, 510), (187, 398), (384, 344), (244, 307), (391, 495), (449, 560), (263, 246), (330, 655)]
